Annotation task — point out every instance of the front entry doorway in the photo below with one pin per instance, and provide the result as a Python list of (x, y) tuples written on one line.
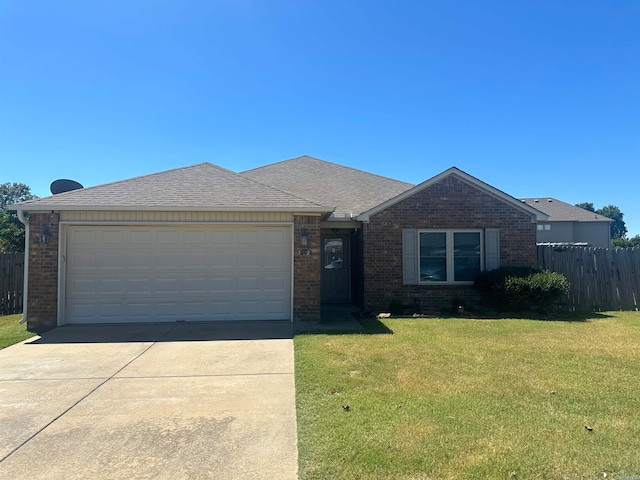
[(335, 277)]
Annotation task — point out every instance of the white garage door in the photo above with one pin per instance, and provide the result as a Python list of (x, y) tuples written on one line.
[(173, 273)]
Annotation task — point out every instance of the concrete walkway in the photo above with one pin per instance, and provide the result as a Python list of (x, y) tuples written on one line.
[(150, 401)]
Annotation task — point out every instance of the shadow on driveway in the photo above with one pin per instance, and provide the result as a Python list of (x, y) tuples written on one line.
[(167, 332)]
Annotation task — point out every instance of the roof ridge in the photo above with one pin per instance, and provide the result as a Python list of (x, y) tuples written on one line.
[(545, 196), (276, 163), (329, 163)]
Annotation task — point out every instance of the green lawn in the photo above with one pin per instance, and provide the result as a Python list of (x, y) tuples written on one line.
[(11, 331), (471, 399)]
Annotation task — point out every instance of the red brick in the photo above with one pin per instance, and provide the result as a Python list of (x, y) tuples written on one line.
[(449, 204), (42, 302)]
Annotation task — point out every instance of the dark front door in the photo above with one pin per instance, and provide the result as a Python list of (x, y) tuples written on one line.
[(335, 268)]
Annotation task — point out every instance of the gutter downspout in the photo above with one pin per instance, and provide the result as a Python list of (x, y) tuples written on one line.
[(25, 291)]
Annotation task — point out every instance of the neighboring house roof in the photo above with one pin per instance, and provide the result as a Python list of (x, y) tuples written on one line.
[(349, 190), (199, 187), (536, 214), (563, 212)]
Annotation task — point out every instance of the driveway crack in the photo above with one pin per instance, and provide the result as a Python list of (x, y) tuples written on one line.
[(39, 431)]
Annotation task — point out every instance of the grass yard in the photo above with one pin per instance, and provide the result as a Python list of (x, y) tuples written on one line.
[(11, 331), (472, 399)]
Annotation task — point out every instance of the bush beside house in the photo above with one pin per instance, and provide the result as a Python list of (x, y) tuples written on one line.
[(521, 288)]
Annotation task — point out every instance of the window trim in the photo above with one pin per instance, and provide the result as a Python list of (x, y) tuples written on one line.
[(449, 254)]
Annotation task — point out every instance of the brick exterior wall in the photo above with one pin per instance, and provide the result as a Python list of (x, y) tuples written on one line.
[(357, 269), (42, 301), (448, 204), (306, 269)]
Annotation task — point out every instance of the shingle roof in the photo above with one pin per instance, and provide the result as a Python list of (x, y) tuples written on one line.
[(199, 187), (351, 191), (563, 212)]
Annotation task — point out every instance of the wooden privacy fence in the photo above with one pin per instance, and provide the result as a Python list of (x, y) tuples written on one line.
[(600, 278), (11, 282)]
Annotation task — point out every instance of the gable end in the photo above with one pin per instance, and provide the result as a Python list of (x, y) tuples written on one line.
[(459, 175)]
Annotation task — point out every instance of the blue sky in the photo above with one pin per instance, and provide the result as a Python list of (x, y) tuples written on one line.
[(537, 98)]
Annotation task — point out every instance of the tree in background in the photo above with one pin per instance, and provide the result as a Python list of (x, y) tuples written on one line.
[(586, 206), (12, 229), (625, 242), (618, 227), (634, 241)]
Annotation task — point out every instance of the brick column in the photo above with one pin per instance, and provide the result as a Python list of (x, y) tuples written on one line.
[(306, 269), (42, 301)]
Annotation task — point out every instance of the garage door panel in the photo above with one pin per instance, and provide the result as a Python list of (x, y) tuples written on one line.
[(222, 284), (167, 260), (221, 260), (247, 260), (83, 236), (274, 260), (221, 308), (83, 287), (195, 285), (139, 261), (111, 309), (275, 236), (275, 307), (110, 261), (81, 261), (140, 236), (192, 309), (167, 286), (195, 237), (168, 236), (248, 236), (142, 310), (222, 237), (139, 286), (139, 273), (165, 309), (248, 284), (248, 307), (112, 237), (111, 286), (195, 260), (275, 284), (82, 310)]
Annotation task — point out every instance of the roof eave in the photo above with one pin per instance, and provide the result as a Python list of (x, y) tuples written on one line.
[(165, 208), (569, 220)]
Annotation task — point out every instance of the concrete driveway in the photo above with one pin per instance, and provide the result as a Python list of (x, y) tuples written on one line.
[(150, 401)]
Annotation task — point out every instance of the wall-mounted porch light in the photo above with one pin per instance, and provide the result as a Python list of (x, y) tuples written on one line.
[(44, 236)]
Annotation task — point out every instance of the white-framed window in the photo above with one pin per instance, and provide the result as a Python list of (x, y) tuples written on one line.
[(544, 226), (450, 256)]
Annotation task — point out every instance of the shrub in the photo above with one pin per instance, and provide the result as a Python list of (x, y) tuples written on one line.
[(518, 288), (492, 284), (540, 290)]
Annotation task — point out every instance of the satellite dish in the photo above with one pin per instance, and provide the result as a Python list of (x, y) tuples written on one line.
[(64, 185)]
